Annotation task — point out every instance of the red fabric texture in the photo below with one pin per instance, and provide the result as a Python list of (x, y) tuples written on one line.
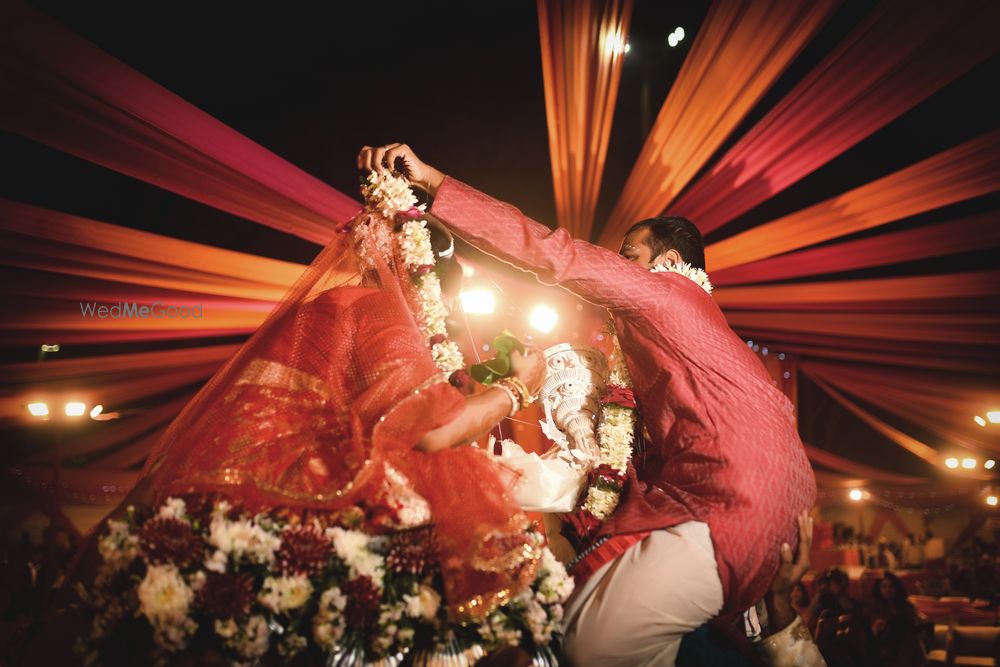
[(79, 99), (724, 446)]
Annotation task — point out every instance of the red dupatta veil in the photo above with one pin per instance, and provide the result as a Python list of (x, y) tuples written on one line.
[(322, 408)]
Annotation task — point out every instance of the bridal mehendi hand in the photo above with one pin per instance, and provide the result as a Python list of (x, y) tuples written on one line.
[(402, 159)]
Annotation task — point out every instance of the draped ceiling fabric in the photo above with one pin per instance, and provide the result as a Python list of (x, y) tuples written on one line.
[(919, 346), (741, 49), (79, 99), (895, 59), (583, 47)]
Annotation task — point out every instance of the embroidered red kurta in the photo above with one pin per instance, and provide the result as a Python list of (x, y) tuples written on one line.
[(724, 446)]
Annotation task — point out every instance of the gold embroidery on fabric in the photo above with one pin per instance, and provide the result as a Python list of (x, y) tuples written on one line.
[(274, 374)]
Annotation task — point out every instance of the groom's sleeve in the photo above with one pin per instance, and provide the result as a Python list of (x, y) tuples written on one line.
[(589, 271)]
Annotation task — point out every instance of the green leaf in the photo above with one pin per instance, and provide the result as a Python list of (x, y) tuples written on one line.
[(499, 366)]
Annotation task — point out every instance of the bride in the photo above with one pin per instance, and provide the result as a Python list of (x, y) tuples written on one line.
[(289, 505)]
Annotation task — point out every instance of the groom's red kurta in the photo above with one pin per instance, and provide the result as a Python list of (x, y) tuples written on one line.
[(724, 447)]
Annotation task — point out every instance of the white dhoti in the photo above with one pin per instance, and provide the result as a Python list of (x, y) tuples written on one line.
[(636, 609)]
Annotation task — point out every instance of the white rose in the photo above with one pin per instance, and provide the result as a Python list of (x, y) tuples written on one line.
[(174, 508), (285, 593), (217, 562), (424, 604), (163, 595)]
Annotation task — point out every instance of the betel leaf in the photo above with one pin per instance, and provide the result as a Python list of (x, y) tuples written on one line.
[(499, 366)]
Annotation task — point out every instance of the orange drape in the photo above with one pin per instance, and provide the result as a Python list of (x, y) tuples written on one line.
[(913, 291), (741, 49), (583, 46), (969, 170)]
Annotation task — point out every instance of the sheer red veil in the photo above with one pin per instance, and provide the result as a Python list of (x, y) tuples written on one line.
[(322, 410)]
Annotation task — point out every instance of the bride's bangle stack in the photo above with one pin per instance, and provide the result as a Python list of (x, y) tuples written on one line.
[(517, 388)]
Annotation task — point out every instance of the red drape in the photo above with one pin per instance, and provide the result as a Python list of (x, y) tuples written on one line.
[(77, 98), (901, 54), (942, 403)]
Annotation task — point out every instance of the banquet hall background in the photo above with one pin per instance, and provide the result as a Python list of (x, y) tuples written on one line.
[(841, 159)]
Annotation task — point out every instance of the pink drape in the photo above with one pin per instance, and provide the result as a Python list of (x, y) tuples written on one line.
[(977, 232), (77, 98), (901, 54)]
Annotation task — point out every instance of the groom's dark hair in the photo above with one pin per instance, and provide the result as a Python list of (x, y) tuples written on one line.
[(673, 232)]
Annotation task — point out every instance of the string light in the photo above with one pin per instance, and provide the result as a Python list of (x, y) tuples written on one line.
[(979, 420), (855, 494), (989, 464), (991, 501), (968, 464), (993, 416), (96, 410), (951, 462)]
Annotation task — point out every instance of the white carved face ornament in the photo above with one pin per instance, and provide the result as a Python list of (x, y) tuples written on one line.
[(571, 397)]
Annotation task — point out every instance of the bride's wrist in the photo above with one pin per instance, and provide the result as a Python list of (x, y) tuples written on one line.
[(515, 402)]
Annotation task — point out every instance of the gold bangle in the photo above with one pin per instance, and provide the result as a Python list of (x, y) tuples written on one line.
[(515, 402), (520, 388)]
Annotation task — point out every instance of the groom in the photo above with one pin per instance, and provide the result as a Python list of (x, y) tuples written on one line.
[(700, 523)]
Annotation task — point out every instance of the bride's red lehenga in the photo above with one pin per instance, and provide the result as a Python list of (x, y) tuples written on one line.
[(322, 411)]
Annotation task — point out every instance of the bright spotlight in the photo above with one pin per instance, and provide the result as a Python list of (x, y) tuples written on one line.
[(855, 495), (979, 420), (628, 47), (38, 409), (50, 348), (951, 462), (96, 410), (543, 318), (679, 33), (75, 409), (990, 463), (672, 40), (991, 501), (478, 301), (993, 416), (968, 464)]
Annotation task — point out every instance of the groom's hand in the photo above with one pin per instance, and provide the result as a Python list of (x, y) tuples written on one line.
[(401, 158)]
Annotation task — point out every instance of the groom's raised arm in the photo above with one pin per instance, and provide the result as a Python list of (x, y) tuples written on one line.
[(589, 271)]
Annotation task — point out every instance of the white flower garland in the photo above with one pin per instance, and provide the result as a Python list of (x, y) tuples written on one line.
[(616, 432), (697, 275), (391, 196)]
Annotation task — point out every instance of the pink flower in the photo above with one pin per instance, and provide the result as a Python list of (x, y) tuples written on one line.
[(414, 212), (437, 339)]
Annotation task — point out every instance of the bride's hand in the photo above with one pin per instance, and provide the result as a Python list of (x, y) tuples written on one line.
[(529, 368), (401, 158)]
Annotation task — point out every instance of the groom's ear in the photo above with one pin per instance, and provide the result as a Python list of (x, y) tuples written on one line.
[(669, 257)]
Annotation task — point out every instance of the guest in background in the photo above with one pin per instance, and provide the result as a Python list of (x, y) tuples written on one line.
[(913, 552), (895, 625), (934, 552)]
